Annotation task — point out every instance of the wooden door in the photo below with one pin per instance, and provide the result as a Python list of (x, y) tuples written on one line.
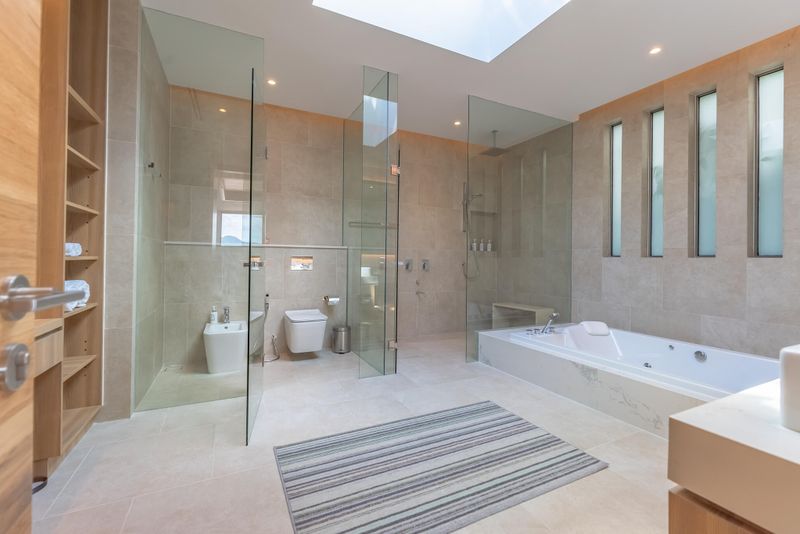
[(19, 141)]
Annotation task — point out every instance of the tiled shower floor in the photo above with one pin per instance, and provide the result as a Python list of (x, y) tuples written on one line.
[(179, 385), (184, 469)]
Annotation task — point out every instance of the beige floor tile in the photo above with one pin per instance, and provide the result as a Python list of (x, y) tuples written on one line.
[(640, 458), (251, 501), (601, 503), (104, 519), (114, 471), (515, 520)]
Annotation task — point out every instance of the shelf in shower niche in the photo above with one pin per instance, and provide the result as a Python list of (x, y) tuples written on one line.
[(80, 258), (72, 365)]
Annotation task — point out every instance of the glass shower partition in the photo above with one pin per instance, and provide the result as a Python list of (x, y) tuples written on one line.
[(200, 216), (258, 300), (370, 222), (518, 218)]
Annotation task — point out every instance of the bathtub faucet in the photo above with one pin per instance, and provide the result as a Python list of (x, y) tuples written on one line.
[(548, 328)]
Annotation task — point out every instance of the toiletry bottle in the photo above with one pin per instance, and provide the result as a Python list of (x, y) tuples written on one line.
[(214, 318), (482, 246), (474, 244), (489, 246)]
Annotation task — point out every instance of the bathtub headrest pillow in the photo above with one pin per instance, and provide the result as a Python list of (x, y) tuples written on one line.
[(596, 328)]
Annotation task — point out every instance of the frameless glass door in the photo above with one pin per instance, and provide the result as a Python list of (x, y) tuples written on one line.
[(370, 229), (258, 300)]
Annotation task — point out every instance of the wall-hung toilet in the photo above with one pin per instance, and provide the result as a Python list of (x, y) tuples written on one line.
[(226, 346), (305, 330)]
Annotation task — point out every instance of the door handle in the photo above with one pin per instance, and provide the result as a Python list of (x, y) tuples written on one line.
[(16, 370), (17, 297)]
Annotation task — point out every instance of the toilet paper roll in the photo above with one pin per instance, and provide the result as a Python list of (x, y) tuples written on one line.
[(331, 301)]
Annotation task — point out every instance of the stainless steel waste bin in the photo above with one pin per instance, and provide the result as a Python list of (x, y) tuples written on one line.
[(341, 339)]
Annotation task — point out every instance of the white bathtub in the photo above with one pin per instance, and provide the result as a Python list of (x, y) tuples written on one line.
[(638, 378)]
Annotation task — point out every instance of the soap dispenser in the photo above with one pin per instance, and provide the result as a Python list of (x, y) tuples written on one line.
[(213, 318)]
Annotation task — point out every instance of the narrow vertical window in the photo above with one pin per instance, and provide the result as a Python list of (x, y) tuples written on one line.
[(657, 183), (616, 190), (707, 174), (769, 172)]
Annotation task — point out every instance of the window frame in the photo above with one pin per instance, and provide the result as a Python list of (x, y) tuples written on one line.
[(649, 185), (612, 189), (756, 171), (696, 186)]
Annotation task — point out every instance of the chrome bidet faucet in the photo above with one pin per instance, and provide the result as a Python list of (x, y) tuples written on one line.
[(226, 314)]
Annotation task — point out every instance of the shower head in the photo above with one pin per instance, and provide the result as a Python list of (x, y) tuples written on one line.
[(495, 150)]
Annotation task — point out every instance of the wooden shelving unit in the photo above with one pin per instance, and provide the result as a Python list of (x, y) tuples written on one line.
[(72, 193)]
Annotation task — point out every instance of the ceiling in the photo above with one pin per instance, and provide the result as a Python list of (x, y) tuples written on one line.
[(586, 54)]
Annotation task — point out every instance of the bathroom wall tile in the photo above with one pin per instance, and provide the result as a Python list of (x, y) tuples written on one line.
[(119, 294), (287, 125), (614, 315), (117, 369), (773, 289), (706, 286), (179, 218), (195, 151), (202, 215), (326, 132), (310, 171), (677, 324), (121, 187), (122, 93), (587, 274), (768, 339), (124, 24), (724, 332)]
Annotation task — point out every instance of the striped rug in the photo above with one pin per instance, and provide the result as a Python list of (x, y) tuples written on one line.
[(433, 473)]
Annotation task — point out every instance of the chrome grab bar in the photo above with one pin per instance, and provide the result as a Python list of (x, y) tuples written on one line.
[(17, 298)]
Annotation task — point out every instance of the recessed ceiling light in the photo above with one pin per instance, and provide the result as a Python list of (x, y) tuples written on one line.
[(457, 123), (272, 82), (655, 50), (223, 110)]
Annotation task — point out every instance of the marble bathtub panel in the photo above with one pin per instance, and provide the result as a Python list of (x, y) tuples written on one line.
[(642, 405)]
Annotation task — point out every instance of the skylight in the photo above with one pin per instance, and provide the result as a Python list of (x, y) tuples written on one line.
[(480, 29)]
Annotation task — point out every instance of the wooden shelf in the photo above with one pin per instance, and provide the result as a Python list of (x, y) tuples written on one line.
[(78, 311), (73, 364), (76, 159), (73, 207), (74, 423), (80, 110), (73, 83)]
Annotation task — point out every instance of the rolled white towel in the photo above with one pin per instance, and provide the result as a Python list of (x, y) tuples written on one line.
[(73, 249), (77, 285), (596, 328)]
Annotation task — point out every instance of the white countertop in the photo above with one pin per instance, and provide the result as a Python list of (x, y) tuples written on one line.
[(735, 453), (752, 418)]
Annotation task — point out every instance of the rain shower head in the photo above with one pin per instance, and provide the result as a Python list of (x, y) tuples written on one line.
[(495, 150)]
